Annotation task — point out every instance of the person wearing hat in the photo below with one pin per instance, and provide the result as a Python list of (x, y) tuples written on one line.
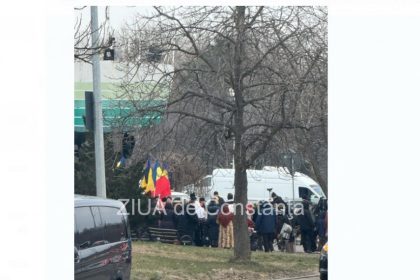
[(278, 201), (230, 202)]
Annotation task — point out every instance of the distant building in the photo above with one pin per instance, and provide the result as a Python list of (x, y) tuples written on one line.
[(118, 109)]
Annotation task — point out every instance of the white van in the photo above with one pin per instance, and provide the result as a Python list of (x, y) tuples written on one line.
[(183, 197), (261, 183)]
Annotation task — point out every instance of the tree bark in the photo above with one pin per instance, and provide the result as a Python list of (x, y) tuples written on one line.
[(242, 250)]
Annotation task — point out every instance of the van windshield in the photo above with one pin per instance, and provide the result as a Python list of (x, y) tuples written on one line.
[(318, 190)]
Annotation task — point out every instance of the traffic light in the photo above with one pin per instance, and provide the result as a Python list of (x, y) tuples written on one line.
[(109, 54)]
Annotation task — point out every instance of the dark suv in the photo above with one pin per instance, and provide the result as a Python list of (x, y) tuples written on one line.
[(102, 244)]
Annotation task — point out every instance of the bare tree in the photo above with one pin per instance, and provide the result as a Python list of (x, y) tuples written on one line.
[(244, 75), (83, 49)]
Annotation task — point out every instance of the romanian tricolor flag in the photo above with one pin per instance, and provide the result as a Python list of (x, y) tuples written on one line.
[(155, 170), (155, 180), (145, 178), (163, 186), (150, 185)]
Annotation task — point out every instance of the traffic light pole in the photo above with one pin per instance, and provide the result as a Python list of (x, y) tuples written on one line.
[(98, 126)]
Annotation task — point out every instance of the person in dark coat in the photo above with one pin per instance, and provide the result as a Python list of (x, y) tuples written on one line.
[(167, 217), (278, 202), (259, 238), (212, 227), (219, 199), (186, 220), (266, 225), (320, 214), (154, 217), (277, 199), (307, 228)]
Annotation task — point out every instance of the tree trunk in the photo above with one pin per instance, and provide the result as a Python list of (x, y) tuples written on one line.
[(242, 250)]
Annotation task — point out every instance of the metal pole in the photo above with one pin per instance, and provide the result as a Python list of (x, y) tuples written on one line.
[(98, 127)]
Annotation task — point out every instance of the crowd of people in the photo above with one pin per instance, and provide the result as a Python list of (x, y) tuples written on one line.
[(269, 222)]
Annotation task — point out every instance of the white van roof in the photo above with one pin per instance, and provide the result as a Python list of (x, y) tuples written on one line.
[(266, 172)]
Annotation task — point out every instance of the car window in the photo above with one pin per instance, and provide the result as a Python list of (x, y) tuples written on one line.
[(115, 227), (84, 227), (98, 233), (318, 190), (89, 227), (304, 191)]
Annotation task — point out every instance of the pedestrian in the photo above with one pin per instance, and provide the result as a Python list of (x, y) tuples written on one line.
[(258, 237), (167, 217), (200, 214), (326, 225), (307, 228), (219, 200), (230, 202), (266, 225), (253, 238), (212, 228), (249, 214), (186, 221), (278, 201), (202, 218), (320, 214), (225, 220), (153, 218), (280, 237), (201, 208)]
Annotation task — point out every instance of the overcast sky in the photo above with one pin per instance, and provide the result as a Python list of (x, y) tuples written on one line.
[(118, 15)]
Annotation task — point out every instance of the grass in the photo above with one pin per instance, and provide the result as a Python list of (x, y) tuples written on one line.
[(157, 261)]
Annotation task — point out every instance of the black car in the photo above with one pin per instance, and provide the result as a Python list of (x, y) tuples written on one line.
[(102, 243), (323, 263)]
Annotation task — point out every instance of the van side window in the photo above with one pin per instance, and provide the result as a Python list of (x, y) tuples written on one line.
[(84, 227), (115, 227)]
